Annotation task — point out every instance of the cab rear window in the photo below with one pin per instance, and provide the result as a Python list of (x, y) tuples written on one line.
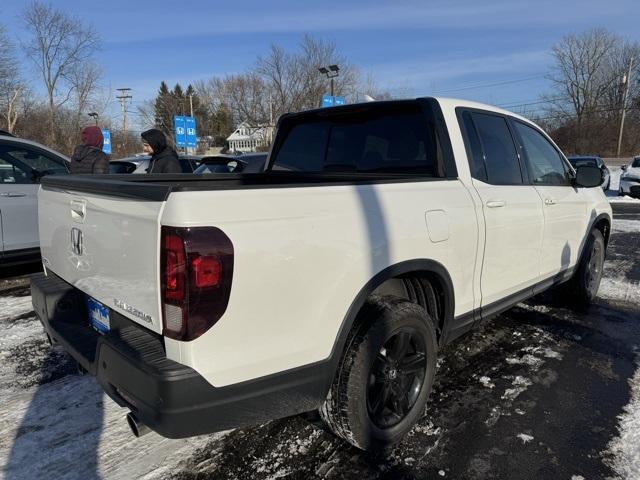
[(385, 140)]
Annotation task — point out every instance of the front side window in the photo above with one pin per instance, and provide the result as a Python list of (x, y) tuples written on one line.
[(500, 155), (544, 161), (33, 159), (11, 173)]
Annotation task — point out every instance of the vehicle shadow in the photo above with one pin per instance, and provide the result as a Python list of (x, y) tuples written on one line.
[(59, 433)]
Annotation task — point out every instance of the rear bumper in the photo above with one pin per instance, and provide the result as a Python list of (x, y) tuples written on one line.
[(130, 364)]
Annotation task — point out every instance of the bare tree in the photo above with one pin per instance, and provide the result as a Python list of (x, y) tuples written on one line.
[(293, 80), (12, 87), (60, 46), (586, 104), (581, 76)]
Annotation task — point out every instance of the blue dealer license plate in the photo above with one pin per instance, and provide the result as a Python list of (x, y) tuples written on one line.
[(98, 315)]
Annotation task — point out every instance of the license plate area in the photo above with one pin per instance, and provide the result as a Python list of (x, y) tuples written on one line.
[(98, 315)]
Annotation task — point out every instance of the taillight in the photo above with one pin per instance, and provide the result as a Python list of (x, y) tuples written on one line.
[(196, 265)]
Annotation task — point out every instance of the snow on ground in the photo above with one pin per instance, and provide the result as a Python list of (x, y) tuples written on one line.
[(619, 286), (78, 432), (625, 449)]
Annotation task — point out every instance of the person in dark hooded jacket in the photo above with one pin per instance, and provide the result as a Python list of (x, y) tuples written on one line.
[(164, 159), (88, 157)]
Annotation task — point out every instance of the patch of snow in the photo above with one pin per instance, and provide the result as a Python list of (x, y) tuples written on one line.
[(486, 382), (625, 448), (620, 289), (441, 473), (628, 226), (577, 477), (526, 359), (548, 353), (519, 412), (520, 384), (524, 437)]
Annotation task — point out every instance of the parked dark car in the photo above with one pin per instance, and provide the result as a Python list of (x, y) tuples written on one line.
[(140, 164), (247, 163), (578, 161)]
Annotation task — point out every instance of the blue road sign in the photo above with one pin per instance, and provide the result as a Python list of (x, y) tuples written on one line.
[(330, 101), (179, 124), (106, 146), (190, 125)]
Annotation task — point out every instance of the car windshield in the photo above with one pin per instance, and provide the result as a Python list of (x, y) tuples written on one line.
[(636, 163)]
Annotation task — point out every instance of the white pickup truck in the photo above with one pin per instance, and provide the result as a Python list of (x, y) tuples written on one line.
[(377, 233)]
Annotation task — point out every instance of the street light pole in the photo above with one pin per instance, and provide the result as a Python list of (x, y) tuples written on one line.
[(331, 71), (95, 116)]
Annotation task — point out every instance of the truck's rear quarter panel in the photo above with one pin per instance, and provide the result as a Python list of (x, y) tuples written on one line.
[(303, 253)]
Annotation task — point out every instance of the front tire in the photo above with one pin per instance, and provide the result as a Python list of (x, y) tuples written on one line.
[(586, 280), (385, 376)]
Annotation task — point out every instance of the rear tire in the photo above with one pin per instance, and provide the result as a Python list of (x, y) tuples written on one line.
[(385, 375), (584, 284)]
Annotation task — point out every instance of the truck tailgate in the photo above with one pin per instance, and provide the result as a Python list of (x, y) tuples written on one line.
[(107, 246)]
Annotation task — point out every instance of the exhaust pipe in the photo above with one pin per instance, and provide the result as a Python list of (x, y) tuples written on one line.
[(137, 427)]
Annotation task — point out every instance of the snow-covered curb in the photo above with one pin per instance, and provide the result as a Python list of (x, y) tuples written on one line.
[(625, 449)]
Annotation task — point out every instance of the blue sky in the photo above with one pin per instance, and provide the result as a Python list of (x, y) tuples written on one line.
[(450, 48)]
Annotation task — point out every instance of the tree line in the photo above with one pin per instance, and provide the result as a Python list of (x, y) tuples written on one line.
[(590, 80)]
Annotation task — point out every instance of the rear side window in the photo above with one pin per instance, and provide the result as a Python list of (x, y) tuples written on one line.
[(474, 149), (500, 155), (383, 141), (544, 161)]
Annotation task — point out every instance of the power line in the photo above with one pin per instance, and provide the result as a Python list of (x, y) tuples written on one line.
[(486, 85)]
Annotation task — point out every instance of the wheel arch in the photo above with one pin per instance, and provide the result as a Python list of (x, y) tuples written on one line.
[(411, 270)]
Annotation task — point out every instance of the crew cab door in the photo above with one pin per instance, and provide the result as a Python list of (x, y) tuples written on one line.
[(20, 169), (512, 208), (564, 206)]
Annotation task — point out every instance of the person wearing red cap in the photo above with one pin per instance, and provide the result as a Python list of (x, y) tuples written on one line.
[(88, 157)]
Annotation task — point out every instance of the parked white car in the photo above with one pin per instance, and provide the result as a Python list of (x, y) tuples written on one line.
[(630, 177), (377, 234), (22, 164)]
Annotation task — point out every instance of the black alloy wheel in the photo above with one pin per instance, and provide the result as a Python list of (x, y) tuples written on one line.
[(396, 378)]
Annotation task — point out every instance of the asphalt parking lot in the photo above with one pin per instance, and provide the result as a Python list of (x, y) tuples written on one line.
[(539, 392)]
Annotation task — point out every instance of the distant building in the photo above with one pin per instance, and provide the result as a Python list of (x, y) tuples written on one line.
[(247, 138)]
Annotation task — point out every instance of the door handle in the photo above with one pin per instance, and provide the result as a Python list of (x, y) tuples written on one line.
[(549, 201), (13, 194), (496, 203)]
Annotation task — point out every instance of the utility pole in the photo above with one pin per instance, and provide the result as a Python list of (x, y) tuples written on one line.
[(191, 104), (123, 97), (627, 82)]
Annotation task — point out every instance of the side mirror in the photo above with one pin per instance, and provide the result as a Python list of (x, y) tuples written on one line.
[(624, 167), (588, 176)]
